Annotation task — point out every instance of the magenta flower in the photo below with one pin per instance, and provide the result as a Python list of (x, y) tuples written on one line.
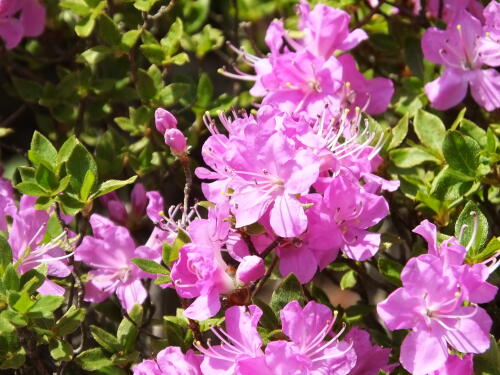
[(7, 203), (307, 352), (117, 210), (459, 50), (19, 19), (489, 45), (354, 210), (438, 302), (370, 358), (164, 120), (109, 252), (326, 30), (29, 250), (170, 361), (200, 271), (456, 366), (239, 341)]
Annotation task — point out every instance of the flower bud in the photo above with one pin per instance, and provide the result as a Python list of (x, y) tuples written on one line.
[(175, 140), (250, 269), (139, 200), (164, 120)]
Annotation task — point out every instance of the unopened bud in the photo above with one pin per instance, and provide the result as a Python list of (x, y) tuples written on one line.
[(164, 120), (175, 140)]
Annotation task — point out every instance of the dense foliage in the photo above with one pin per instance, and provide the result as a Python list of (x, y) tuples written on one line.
[(241, 187)]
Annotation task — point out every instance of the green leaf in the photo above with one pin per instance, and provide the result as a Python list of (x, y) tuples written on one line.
[(145, 85), (88, 184), (269, 320), (47, 304), (34, 278), (85, 27), (488, 363), (170, 94), (70, 321), (78, 7), (450, 185), (430, 130), (150, 266), (407, 157), (476, 229), (414, 57), (79, 163), (129, 39), (93, 359), (399, 132), (492, 248), (390, 270), (5, 254), (70, 205), (108, 31), (461, 153), (289, 290), (95, 55), (153, 52), (171, 41), (128, 331), (348, 280), (66, 150), (11, 279), (105, 339), (60, 350), (46, 179), (204, 92), (32, 189), (42, 151), (30, 91), (472, 130), (112, 185)]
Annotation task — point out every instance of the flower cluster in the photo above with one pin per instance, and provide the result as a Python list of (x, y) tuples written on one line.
[(31, 240), (439, 304), (305, 75), (19, 19), (311, 348), (469, 50)]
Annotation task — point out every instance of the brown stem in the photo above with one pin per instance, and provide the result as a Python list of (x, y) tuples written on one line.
[(187, 188), (266, 277)]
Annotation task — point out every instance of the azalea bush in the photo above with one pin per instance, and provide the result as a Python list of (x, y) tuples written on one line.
[(244, 187)]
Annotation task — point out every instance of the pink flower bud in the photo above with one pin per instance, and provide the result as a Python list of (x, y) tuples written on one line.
[(164, 120), (175, 140), (250, 269), (139, 200)]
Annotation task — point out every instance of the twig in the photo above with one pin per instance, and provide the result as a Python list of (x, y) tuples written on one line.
[(187, 189), (266, 277), (271, 247)]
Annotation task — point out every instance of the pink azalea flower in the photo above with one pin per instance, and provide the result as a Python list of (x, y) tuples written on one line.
[(354, 210), (489, 45), (170, 361), (28, 249), (109, 252), (457, 48), (20, 18), (456, 366), (200, 271), (239, 341), (307, 352), (7, 202), (370, 358), (304, 75), (117, 210), (326, 29), (438, 302)]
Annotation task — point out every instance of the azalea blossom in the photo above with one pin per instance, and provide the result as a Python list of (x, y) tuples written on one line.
[(307, 352), (170, 361), (437, 303), (26, 237), (109, 253), (19, 19), (460, 49)]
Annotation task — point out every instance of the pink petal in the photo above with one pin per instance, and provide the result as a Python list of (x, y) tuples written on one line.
[(131, 293), (288, 218), (422, 352), (204, 307), (448, 90)]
